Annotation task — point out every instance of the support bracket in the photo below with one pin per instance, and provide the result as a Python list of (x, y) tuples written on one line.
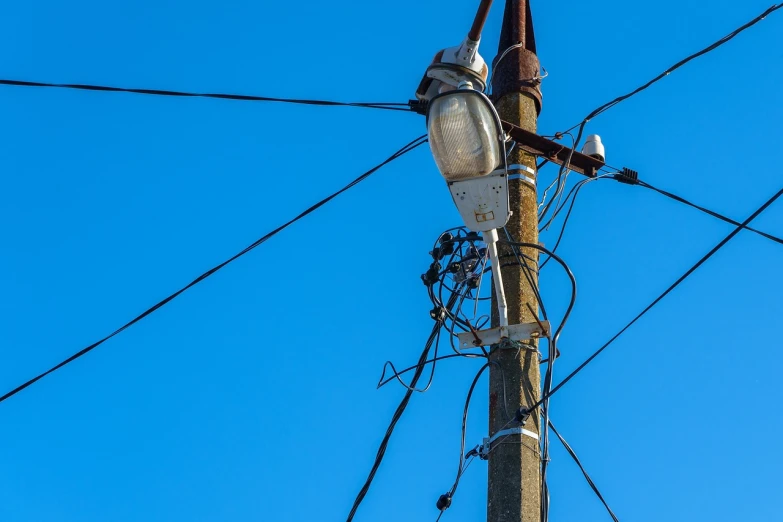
[(552, 150), (514, 332)]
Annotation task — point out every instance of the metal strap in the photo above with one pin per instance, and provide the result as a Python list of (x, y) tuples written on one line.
[(486, 447), (529, 181), (513, 431), (524, 168), (519, 171)]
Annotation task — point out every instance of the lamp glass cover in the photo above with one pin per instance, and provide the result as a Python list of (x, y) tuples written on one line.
[(463, 136)]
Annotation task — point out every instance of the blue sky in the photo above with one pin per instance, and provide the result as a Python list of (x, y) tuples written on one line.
[(252, 397)]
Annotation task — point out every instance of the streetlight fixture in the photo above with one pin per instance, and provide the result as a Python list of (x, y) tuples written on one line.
[(469, 147)]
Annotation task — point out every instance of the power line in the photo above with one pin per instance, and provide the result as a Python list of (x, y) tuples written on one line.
[(571, 452), (706, 210), (407, 148), (238, 97), (605, 107), (658, 299)]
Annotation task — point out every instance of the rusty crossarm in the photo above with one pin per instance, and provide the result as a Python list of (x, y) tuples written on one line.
[(553, 151)]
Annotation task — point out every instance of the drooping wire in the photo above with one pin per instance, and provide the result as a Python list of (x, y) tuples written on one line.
[(590, 482), (657, 300), (572, 195), (404, 150), (444, 502), (459, 248), (561, 180), (708, 211), (400, 410), (549, 374), (236, 97), (383, 381), (605, 107)]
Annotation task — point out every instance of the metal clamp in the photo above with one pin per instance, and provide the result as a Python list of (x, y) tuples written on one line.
[(486, 446)]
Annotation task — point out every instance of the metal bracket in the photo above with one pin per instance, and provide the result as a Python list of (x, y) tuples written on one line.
[(515, 332), (553, 151), (486, 446)]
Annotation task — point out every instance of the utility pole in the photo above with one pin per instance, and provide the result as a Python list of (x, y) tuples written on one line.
[(514, 487)]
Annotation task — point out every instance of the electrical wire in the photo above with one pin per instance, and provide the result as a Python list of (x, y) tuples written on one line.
[(605, 107), (562, 177), (398, 414), (383, 381), (498, 59), (548, 377), (571, 452), (404, 150), (657, 300), (446, 499), (709, 212), (238, 97), (575, 191)]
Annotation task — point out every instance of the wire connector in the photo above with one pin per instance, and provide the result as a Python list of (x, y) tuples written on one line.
[(444, 502), (627, 176), (431, 276), (418, 106), (438, 314), (523, 414)]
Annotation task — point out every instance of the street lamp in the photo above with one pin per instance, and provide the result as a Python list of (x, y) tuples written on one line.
[(469, 147)]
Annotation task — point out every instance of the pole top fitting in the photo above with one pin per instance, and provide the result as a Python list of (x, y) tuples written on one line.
[(516, 68)]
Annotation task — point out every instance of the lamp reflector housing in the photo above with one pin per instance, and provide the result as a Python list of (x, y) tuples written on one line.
[(464, 134)]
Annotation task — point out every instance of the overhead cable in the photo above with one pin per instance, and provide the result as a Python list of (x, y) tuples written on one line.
[(657, 300), (708, 211), (238, 97), (592, 485), (407, 148), (605, 107)]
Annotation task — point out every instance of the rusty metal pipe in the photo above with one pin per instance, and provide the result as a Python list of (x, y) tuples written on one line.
[(480, 20)]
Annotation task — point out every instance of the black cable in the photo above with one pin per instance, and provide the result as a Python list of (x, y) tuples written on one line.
[(398, 414), (465, 424), (568, 272), (238, 97), (445, 500), (571, 194), (562, 174), (548, 378), (575, 190), (383, 382), (407, 148), (658, 299), (708, 211), (587, 477), (527, 272), (397, 374), (676, 66)]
